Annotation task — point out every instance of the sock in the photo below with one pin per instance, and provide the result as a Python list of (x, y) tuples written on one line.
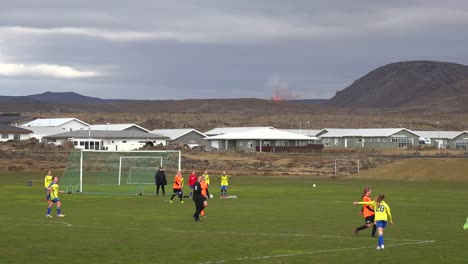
[(48, 210), (361, 228), (172, 197), (380, 240), (59, 211), (374, 228)]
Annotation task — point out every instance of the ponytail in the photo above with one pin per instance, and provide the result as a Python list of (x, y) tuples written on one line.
[(380, 198)]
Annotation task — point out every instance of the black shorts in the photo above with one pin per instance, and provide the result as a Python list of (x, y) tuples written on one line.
[(177, 191), (370, 219)]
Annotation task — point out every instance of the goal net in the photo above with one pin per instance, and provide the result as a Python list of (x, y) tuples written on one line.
[(141, 175), (117, 172)]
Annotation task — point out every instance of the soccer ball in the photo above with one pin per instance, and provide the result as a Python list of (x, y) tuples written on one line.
[(314, 185), (211, 196)]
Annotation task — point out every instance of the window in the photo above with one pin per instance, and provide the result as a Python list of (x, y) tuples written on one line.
[(4, 135), (75, 143), (359, 140), (282, 143), (250, 144), (16, 136), (266, 143), (326, 142), (124, 141), (378, 139), (81, 143), (335, 141), (403, 142)]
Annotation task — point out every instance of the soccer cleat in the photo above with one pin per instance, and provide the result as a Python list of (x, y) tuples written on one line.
[(181, 201), (378, 248), (61, 215), (465, 226), (48, 216), (382, 247), (171, 201)]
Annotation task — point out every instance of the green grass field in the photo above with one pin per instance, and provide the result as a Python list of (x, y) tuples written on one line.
[(274, 220)]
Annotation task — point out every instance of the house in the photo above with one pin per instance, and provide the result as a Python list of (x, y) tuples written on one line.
[(14, 119), (107, 140), (444, 139), (251, 140), (369, 138), (189, 137), (225, 130), (39, 132), (69, 124), (119, 127), (8, 132), (305, 132)]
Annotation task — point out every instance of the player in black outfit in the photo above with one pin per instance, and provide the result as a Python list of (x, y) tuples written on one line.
[(198, 199)]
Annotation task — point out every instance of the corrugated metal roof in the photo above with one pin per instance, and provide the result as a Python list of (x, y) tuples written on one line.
[(224, 130), (176, 133), (44, 130), (263, 134), (109, 134), (362, 132), (7, 129), (52, 122), (115, 127), (439, 134), (305, 132)]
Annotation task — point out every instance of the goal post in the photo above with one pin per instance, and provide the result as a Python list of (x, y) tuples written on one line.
[(103, 172), (353, 163)]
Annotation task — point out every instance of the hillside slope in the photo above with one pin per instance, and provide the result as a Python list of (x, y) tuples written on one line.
[(409, 84)]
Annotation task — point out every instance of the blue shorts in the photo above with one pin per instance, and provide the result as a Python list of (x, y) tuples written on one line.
[(382, 224), (224, 187), (55, 200), (190, 186)]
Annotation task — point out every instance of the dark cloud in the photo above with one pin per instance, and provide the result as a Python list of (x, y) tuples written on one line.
[(217, 49)]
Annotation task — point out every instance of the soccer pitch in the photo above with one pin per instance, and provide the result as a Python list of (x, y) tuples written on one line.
[(274, 220)]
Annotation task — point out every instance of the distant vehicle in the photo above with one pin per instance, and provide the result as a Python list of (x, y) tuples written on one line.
[(425, 141)]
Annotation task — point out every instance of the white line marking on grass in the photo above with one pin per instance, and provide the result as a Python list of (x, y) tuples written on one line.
[(46, 221), (312, 252)]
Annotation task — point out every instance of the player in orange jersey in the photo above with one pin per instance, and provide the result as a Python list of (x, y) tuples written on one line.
[(367, 212)]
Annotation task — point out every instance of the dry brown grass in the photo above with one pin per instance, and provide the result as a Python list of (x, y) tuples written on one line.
[(425, 169)]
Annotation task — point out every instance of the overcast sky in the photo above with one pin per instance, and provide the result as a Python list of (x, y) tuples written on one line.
[(151, 49)]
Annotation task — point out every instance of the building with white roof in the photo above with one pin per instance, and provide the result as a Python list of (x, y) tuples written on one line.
[(225, 130), (119, 127), (256, 139), (107, 140), (184, 136), (8, 132), (305, 132), (369, 138), (39, 132), (69, 124), (444, 139)]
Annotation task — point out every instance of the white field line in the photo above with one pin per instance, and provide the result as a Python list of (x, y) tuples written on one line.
[(169, 229), (311, 252)]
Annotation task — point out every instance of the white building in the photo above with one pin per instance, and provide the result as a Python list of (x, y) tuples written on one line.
[(107, 140), (183, 136), (13, 133), (68, 124), (39, 132), (258, 139), (225, 130), (118, 127)]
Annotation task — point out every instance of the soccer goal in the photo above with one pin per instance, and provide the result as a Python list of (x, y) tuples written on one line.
[(117, 172), (348, 166)]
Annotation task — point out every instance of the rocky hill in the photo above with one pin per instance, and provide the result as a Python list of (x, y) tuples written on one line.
[(412, 84)]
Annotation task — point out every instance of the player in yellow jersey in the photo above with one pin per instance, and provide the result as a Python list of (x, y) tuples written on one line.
[(382, 215), (54, 198), (47, 181), (206, 178), (224, 184)]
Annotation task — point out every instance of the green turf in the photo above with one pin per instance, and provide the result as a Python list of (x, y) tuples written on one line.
[(274, 220)]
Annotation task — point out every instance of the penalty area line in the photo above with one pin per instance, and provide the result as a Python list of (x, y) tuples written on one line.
[(312, 252)]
